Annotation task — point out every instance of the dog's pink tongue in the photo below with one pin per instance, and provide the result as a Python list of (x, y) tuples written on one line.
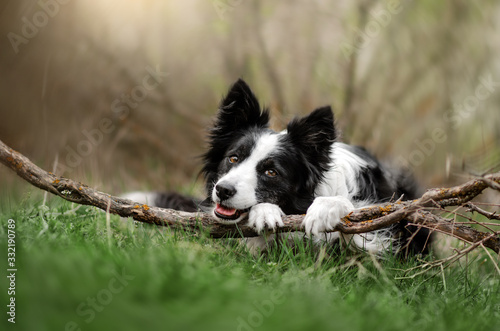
[(225, 211)]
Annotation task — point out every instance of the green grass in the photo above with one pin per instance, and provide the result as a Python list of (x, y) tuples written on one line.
[(148, 278)]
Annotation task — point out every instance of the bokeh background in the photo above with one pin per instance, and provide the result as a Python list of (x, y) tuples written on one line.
[(118, 94)]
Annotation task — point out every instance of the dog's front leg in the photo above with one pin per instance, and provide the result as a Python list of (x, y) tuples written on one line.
[(265, 216), (325, 213)]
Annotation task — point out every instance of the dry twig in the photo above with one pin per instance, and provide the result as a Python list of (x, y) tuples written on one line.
[(359, 221)]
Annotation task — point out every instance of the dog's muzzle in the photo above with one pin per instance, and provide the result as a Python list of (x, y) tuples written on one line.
[(225, 191)]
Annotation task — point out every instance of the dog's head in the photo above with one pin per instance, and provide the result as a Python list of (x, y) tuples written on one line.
[(247, 163)]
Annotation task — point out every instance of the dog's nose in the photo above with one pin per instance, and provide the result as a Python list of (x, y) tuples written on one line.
[(225, 190)]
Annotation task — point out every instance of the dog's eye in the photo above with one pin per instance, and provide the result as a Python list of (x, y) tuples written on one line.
[(233, 159), (271, 173)]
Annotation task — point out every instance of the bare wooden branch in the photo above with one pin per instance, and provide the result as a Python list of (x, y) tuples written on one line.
[(487, 214), (465, 233), (359, 221)]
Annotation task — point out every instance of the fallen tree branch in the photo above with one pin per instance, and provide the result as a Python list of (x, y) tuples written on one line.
[(491, 216), (359, 221)]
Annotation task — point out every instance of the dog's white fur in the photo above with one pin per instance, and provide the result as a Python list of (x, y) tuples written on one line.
[(265, 215), (333, 200), (244, 179)]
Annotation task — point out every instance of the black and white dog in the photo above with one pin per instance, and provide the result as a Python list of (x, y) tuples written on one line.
[(256, 174)]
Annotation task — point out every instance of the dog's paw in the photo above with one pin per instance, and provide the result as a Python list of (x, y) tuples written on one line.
[(325, 213), (265, 215)]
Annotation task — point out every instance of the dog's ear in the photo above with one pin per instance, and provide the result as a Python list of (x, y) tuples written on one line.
[(314, 132), (240, 110), (314, 135)]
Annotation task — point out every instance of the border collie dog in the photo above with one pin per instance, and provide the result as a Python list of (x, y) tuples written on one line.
[(255, 174)]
